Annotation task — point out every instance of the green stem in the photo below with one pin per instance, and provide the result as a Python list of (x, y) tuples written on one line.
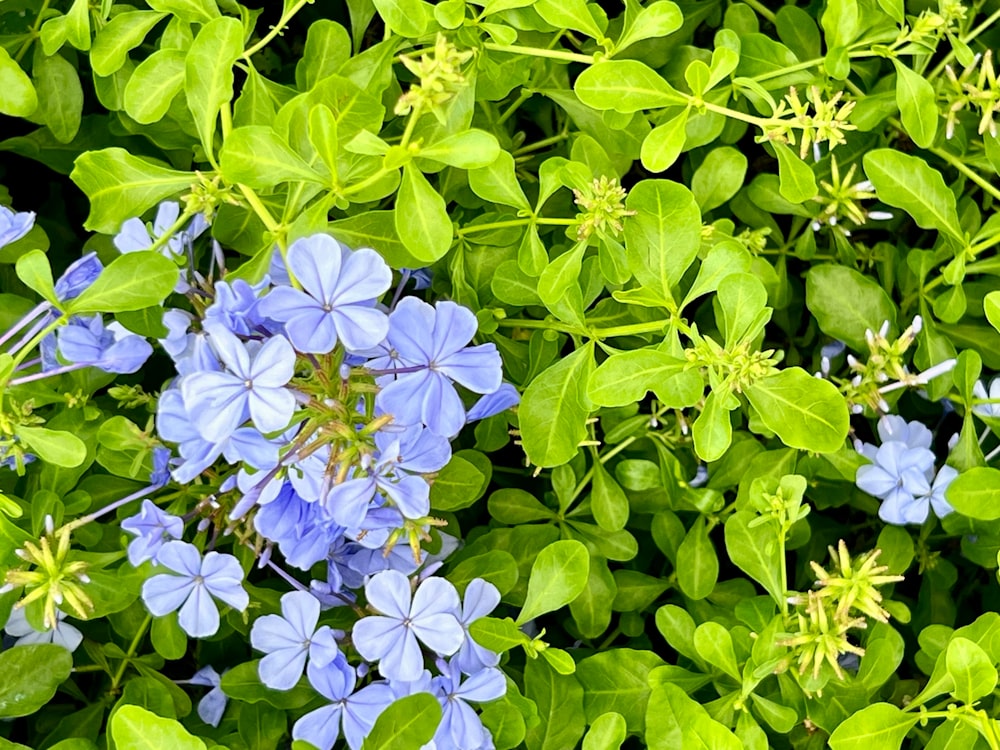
[(967, 38), (968, 172), (762, 10), (521, 99), (553, 54), (260, 209), (276, 29), (630, 330), (411, 123), (33, 31), (130, 654), (551, 140), (367, 182), (516, 223)]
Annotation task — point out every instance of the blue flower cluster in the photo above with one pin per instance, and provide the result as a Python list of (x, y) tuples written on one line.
[(318, 418), (901, 472)]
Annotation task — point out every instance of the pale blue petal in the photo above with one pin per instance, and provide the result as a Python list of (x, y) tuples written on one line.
[(347, 502), (319, 728), (316, 263), (199, 617), (165, 593), (364, 276), (374, 636), (389, 593), (281, 669), (360, 327), (478, 368), (181, 557), (441, 633), (486, 685)]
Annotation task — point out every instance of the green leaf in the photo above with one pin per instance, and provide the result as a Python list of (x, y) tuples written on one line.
[(972, 670), (712, 431), (805, 412), (496, 566), (470, 149), (408, 18), (568, 14), (375, 229), (328, 47), (458, 485), (697, 563), (796, 181), (130, 282), (497, 182), (558, 575), (121, 186), (991, 305), (53, 446), (724, 259), (719, 177), (591, 610), (625, 86), (847, 303), (34, 270), (31, 675), (153, 86), (60, 96), (917, 102), (497, 635), (607, 732), (135, 728), (554, 409), (242, 682), (421, 217), (714, 644), (208, 74), (617, 681), (122, 33), (560, 707), (262, 726), (841, 22), (636, 591), (742, 299), (408, 723), (753, 549), (257, 157), (663, 238), (625, 378), (907, 182), (655, 21), (168, 640), (191, 11), (880, 725), (974, 493), (608, 501), (664, 143), (17, 93)]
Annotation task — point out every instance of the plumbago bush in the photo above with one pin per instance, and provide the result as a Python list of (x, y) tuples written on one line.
[(499, 374)]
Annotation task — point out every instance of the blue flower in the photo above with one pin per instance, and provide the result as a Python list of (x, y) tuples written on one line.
[(235, 306), (78, 276), (979, 391), (192, 589), (460, 727), (504, 398), (481, 598), (288, 640), (85, 341), (13, 226), (337, 302), (213, 704), (433, 341), (134, 236), (63, 634), (152, 527), (253, 385), (898, 474), (391, 638), (355, 713)]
